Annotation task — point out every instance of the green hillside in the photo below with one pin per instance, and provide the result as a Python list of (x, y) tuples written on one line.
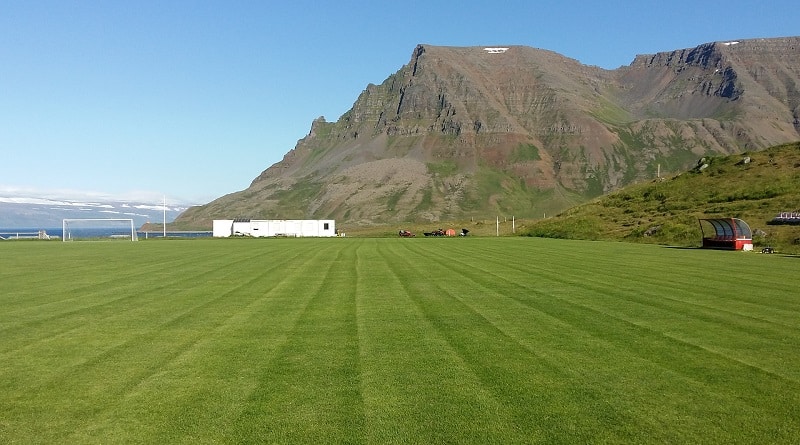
[(666, 210)]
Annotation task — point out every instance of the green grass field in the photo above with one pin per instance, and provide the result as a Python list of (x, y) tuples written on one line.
[(358, 340)]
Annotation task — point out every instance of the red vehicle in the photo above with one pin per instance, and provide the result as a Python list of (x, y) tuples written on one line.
[(405, 233)]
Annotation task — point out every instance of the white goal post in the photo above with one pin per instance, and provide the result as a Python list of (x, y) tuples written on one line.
[(78, 229)]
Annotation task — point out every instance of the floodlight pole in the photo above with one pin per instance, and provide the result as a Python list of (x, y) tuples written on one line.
[(165, 217)]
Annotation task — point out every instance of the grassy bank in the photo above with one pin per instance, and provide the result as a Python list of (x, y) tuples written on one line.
[(752, 186)]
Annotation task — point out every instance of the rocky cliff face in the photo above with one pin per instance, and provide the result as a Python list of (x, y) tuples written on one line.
[(461, 132)]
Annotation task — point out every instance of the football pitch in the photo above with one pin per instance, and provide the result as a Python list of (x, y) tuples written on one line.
[(366, 340)]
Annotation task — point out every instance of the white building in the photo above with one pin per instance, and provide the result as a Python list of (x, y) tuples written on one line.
[(274, 227)]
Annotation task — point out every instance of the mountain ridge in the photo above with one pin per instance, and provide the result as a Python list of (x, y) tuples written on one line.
[(460, 131)]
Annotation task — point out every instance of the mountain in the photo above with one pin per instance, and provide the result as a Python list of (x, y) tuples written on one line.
[(471, 131), (46, 213), (753, 186)]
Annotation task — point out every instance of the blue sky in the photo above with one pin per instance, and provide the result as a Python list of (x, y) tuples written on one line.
[(193, 99)]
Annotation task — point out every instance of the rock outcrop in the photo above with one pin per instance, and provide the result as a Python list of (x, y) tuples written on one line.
[(461, 131)]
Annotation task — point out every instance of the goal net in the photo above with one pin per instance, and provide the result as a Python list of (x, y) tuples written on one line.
[(98, 229)]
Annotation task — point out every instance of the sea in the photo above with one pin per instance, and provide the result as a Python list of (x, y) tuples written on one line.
[(96, 233)]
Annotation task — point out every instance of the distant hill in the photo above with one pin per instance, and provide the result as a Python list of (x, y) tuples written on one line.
[(41, 213), (753, 186), (462, 131)]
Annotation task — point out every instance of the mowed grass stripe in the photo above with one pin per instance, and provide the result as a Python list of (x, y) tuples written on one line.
[(228, 367), (756, 337), (206, 387), (116, 312), (508, 346), (712, 273), (63, 267), (664, 300), (395, 340), (416, 386), (309, 391), (114, 354), (559, 350), (110, 281), (710, 372)]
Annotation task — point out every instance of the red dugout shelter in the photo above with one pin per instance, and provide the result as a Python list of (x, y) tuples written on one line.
[(726, 233)]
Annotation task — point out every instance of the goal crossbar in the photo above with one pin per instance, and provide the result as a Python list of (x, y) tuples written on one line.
[(124, 228)]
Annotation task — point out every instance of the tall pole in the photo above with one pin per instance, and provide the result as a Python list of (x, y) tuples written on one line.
[(165, 216)]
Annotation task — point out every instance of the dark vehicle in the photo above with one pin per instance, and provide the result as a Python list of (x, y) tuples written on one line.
[(464, 232), (438, 232)]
